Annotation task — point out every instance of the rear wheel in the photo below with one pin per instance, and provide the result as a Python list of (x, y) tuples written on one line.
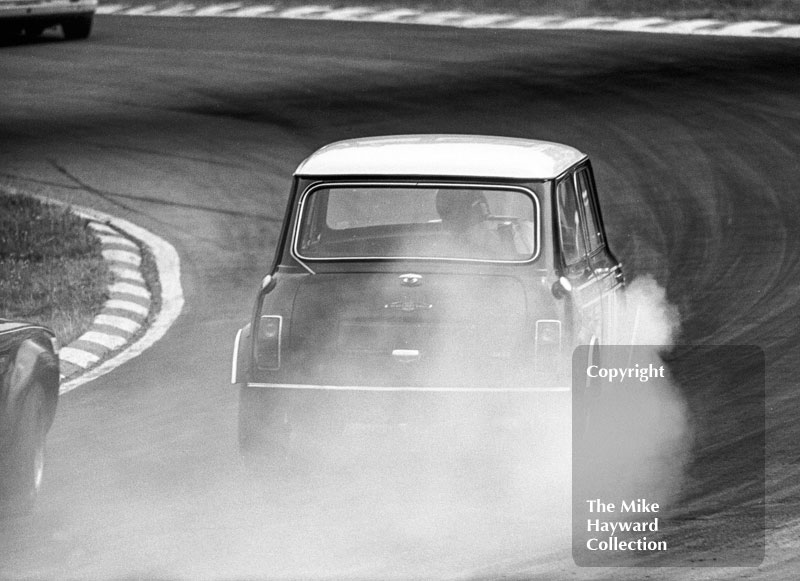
[(269, 452), (34, 31), (10, 32), (289, 433), (77, 28), (265, 433)]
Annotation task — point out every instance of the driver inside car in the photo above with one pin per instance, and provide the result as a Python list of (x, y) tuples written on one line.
[(467, 220)]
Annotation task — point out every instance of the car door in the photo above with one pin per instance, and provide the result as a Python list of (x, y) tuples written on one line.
[(606, 269), (575, 265)]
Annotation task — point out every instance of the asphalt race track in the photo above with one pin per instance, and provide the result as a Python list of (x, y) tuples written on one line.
[(191, 128)]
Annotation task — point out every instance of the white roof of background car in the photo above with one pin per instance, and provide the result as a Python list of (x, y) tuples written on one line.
[(471, 156)]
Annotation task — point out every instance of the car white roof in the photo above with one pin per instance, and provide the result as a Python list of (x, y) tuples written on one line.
[(470, 156)]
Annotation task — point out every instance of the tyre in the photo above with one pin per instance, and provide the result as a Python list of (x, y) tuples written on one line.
[(34, 31), (10, 33), (77, 28), (269, 452), (24, 462), (265, 434)]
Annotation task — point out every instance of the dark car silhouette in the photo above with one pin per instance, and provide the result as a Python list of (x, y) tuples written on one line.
[(32, 17), (29, 384)]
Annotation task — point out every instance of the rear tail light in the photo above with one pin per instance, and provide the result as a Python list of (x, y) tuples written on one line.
[(268, 342)]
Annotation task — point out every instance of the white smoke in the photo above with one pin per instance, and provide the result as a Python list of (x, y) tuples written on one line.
[(640, 432), (469, 498), (649, 316)]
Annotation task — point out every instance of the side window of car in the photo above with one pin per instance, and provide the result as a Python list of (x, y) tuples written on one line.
[(570, 222), (586, 194), (312, 220)]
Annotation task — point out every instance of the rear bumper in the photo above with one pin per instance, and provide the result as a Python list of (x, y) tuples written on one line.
[(428, 389), (336, 372)]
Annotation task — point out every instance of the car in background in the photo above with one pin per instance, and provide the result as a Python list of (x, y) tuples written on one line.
[(416, 269), (29, 385), (32, 17)]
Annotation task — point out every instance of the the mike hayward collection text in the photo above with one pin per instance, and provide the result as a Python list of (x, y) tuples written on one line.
[(613, 528)]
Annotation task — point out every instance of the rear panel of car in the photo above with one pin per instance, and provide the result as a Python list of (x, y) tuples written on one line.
[(445, 323)]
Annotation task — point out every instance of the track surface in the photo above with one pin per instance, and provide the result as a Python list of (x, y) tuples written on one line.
[(191, 128)]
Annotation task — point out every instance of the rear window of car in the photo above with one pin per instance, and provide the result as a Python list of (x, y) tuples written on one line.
[(451, 222)]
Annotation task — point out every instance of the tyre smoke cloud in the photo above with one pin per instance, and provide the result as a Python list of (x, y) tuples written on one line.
[(475, 487), (649, 316), (638, 433)]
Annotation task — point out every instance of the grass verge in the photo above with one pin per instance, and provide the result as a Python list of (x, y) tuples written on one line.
[(52, 269)]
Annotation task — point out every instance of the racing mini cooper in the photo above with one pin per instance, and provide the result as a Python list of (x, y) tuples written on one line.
[(412, 269)]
